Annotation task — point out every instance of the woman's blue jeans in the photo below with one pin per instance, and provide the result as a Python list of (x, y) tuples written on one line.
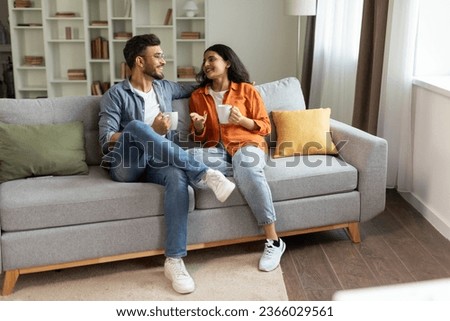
[(142, 155), (247, 168)]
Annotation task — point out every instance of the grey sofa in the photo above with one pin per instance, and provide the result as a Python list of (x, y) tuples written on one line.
[(65, 221)]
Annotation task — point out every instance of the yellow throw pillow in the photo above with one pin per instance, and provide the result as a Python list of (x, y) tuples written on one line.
[(303, 132)]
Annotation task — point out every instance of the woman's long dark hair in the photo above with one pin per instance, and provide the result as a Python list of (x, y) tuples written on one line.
[(236, 72)]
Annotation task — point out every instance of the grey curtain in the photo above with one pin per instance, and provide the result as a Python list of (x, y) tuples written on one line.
[(370, 65), (308, 54)]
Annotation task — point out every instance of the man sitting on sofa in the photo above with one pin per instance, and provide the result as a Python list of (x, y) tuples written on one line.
[(137, 147)]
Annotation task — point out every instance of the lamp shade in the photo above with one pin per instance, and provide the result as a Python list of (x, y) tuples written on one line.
[(300, 7)]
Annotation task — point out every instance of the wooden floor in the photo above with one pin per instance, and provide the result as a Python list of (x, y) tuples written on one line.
[(398, 246)]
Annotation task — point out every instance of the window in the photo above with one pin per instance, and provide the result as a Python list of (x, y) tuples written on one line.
[(433, 43)]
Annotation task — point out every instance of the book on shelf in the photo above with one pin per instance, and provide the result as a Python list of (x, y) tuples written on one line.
[(76, 77), (186, 69), (186, 76), (76, 74), (168, 18), (99, 23), (105, 49), (65, 14), (68, 33), (95, 89), (34, 60), (122, 35), (190, 35), (23, 4), (30, 24), (105, 85), (186, 72), (98, 88), (125, 71), (99, 48), (76, 71)]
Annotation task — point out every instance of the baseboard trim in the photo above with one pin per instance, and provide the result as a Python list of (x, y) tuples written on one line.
[(438, 222)]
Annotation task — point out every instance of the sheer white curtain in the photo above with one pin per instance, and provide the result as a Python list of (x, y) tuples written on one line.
[(336, 48), (395, 118)]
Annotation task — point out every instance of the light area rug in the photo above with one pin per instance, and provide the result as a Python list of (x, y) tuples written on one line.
[(226, 273)]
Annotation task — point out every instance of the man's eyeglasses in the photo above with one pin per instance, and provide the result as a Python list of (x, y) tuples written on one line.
[(158, 56)]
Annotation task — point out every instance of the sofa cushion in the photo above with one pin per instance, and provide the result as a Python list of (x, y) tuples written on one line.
[(72, 200), (283, 94), (46, 149), (294, 177), (303, 132), (182, 132)]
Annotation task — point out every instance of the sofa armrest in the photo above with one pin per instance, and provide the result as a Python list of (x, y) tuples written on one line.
[(368, 154)]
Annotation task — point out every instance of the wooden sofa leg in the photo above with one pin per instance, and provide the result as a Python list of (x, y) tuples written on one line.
[(353, 232), (10, 281)]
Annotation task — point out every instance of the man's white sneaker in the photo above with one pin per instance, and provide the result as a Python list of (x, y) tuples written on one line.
[(220, 185), (272, 255), (176, 272)]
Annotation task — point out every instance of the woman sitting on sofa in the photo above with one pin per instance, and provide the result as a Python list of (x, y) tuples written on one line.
[(237, 148)]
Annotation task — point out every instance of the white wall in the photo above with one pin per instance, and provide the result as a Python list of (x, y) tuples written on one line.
[(259, 32), (430, 193)]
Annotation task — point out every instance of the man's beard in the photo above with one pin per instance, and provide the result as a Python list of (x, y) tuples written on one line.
[(155, 75), (159, 76)]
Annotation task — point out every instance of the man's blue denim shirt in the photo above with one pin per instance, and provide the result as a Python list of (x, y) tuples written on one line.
[(121, 104)]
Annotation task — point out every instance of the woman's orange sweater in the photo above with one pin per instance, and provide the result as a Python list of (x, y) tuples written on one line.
[(248, 100)]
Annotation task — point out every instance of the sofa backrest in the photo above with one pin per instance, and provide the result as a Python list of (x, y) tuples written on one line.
[(58, 110), (284, 94)]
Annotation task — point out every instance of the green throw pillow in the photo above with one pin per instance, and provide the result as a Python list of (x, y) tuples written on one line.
[(39, 150)]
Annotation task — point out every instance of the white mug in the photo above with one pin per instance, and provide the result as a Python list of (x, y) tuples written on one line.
[(173, 119), (224, 113)]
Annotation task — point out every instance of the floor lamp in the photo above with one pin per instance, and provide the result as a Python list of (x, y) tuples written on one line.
[(299, 8)]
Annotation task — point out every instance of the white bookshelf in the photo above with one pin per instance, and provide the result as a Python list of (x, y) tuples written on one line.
[(41, 31)]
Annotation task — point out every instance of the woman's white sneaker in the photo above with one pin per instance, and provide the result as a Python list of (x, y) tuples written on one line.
[(176, 272), (272, 255), (220, 185)]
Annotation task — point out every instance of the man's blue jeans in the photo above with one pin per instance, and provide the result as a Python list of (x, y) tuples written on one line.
[(142, 155)]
